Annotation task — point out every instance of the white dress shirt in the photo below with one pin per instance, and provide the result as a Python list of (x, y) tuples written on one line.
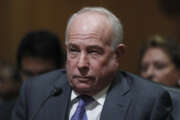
[(94, 109)]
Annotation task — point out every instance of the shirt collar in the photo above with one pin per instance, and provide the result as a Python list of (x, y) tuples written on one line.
[(99, 97)]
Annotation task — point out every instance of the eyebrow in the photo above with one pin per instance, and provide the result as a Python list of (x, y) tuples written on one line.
[(94, 47), (71, 45)]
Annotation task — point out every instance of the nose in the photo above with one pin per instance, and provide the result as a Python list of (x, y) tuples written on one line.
[(83, 64), (149, 74)]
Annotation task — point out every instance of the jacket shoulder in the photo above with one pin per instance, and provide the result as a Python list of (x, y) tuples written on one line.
[(144, 87), (38, 88)]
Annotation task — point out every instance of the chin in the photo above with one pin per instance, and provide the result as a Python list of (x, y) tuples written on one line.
[(83, 87), (85, 90)]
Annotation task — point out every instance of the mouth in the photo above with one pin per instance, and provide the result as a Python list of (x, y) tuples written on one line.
[(83, 78)]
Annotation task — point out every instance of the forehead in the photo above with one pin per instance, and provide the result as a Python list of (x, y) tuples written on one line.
[(86, 40), (90, 20), (156, 54), (90, 24)]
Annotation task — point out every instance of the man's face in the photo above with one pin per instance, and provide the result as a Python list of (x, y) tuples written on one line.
[(32, 66), (91, 63)]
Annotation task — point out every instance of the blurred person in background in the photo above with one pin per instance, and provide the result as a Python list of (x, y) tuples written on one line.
[(160, 61), (9, 88), (39, 52)]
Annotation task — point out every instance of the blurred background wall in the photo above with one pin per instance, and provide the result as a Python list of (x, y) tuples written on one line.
[(140, 18)]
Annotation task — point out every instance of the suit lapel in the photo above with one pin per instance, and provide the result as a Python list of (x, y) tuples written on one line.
[(58, 105), (115, 106), (117, 100)]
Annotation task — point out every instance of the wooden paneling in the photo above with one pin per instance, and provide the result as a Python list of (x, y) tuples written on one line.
[(140, 18)]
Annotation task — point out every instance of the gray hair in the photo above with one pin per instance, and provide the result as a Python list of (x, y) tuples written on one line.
[(117, 29)]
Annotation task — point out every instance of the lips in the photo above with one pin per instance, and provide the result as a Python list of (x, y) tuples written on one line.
[(83, 78)]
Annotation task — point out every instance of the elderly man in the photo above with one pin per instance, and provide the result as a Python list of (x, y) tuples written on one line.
[(92, 87)]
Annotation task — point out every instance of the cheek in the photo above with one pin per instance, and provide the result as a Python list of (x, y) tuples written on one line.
[(174, 74), (69, 68), (169, 78), (70, 64), (97, 65), (105, 67), (165, 75)]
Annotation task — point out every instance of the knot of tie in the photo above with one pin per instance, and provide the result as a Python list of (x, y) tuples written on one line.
[(80, 113), (85, 99)]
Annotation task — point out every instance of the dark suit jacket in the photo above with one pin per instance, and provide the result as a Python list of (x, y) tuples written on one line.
[(175, 96), (129, 98), (6, 109)]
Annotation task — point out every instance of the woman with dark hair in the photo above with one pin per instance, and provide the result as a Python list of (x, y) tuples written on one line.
[(160, 61)]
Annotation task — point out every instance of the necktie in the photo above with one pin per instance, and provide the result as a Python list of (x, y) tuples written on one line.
[(80, 113)]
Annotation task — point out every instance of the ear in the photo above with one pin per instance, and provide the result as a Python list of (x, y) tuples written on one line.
[(120, 50)]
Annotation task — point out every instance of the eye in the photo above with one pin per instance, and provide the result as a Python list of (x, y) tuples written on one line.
[(95, 50), (160, 66), (73, 49)]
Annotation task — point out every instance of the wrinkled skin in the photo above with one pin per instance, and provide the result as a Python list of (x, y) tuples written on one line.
[(91, 62)]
